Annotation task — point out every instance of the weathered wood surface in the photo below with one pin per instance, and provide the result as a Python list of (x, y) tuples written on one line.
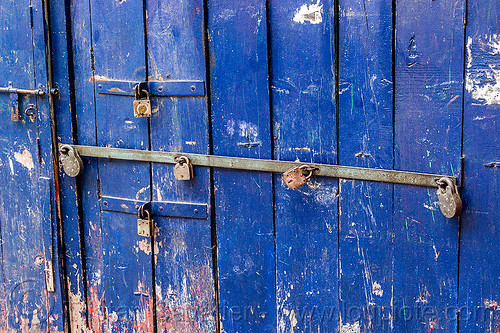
[(427, 137), (364, 83), (366, 140), (29, 245), (241, 121), (184, 280), (479, 242), (302, 50)]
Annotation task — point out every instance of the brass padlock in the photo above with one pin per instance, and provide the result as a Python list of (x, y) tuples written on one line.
[(144, 222), (142, 103), (71, 161), (298, 176), (183, 170), (450, 202)]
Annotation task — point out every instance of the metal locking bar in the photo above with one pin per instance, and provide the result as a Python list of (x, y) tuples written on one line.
[(14, 98), (324, 170), (11, 90)]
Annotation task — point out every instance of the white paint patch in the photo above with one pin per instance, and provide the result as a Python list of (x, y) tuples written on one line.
[(312, 13), (377, 289), (484, 86), (11, 165), (350, 328), (25, 159), (248, 130), (191, 143), (484, 83)]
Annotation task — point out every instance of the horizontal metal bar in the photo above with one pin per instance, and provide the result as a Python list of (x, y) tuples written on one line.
[(325, 170), (10, 90), (155, 88), (157, 208)]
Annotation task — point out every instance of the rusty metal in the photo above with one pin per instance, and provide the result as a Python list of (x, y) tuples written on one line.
[(185, 210), (30, 111), (11, 90), (450, 202), (14, 98), (142, 103), (168, 88), (322, 170), (183, 169), (71, 160), (298, 176), (144, 221)]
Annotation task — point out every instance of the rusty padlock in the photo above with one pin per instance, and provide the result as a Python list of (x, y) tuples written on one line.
[(144, 221), (183, 169), (450, 202), (71, 161), (298, 176), (142, 103)]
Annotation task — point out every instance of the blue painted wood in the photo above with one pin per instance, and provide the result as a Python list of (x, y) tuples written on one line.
[(479, 290), (25, 155), (52, 243), (243, 200), (304, 121), (365, 140), (118, 50), (82, 226), (428, 112), (184, 280)]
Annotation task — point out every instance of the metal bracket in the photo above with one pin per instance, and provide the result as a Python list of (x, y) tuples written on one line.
[(156, 208), (14, 98), (155, 88)]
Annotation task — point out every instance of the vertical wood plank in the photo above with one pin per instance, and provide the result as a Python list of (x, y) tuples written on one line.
[(243, 200), (185, 290), (82, 222), (428, 88), (365, 140), (118, 50), (304, 121), (479, 264), (24, 301)]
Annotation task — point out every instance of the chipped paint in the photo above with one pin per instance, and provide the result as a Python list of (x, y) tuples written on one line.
[(25, 159), (377, 289), (350, 328), (309, 13), (483, 81)]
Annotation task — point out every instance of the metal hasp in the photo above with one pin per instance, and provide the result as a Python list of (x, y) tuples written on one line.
[(292, 170), (14, 98), (154, 88)]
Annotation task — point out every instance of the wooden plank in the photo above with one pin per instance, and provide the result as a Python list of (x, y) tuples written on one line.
[(428, 112), (184, 281), (365, 140), (243, 200), (82, 226), (24, 303), (479, 290), (56, 316), (304, 121), (118, 51)]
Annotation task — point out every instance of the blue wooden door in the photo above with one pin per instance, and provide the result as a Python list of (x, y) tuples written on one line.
[(376, 84), (121, 281), (30, 293)]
